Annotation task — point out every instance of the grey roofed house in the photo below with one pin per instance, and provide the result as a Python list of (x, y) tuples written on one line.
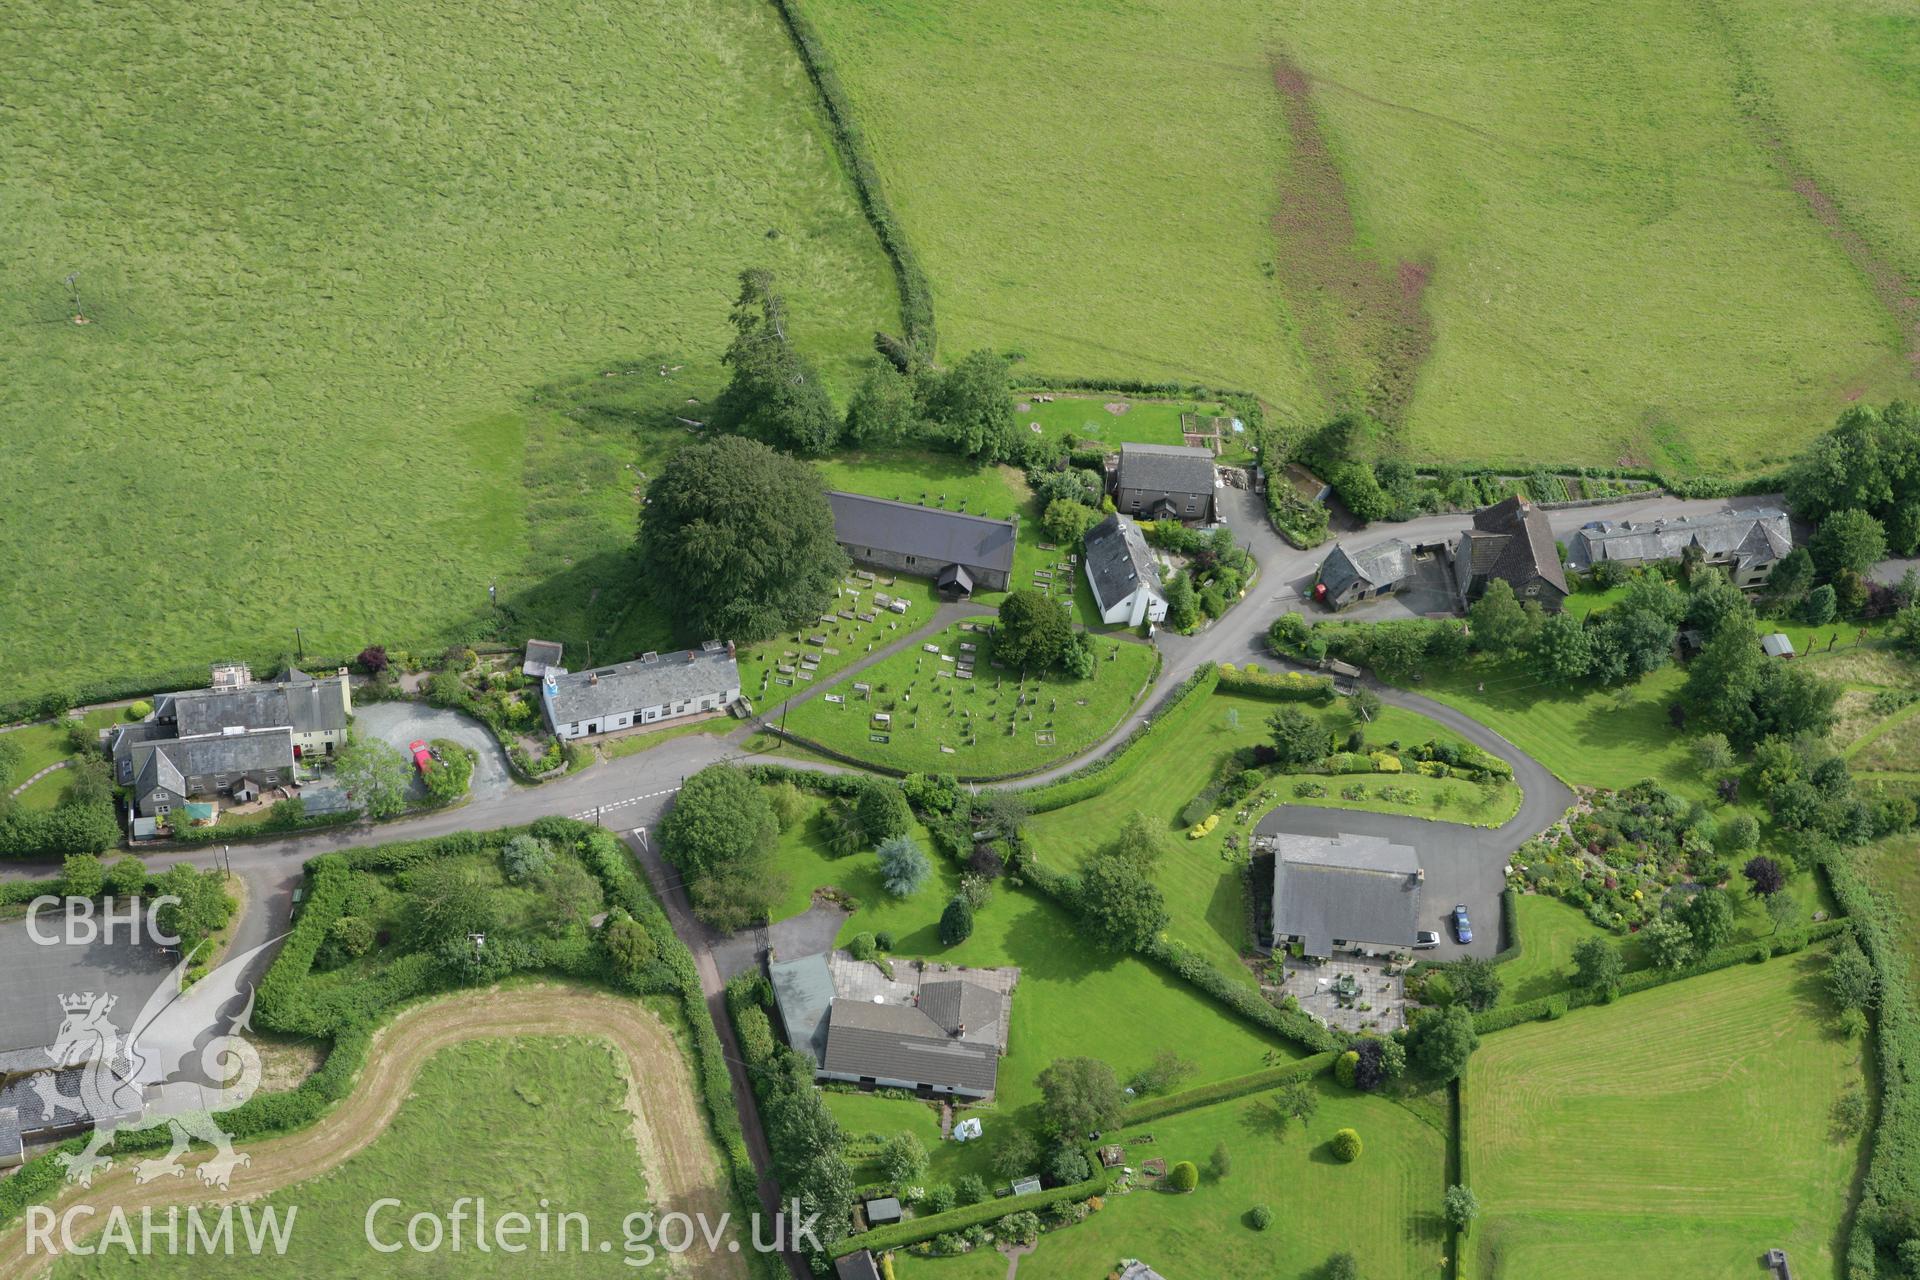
[(803, 992), (893, 1042), (305, 705), (1174, 468), (25, 1116), (1134, 1269), (1344, 889), (605, 695), (1741, 539), (1118, 561), (857, 1266), (1353, 575), (923, 540), (1512, 540)]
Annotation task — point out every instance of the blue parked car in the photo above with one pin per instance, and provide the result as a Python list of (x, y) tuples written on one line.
[(1462, 929)]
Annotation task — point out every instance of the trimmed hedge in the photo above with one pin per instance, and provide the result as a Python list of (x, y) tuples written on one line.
[(1893, 1169), (914, 1230), (1640, 980), (1287, 686), (1097, 775), (916, 295), (1226, 1090)]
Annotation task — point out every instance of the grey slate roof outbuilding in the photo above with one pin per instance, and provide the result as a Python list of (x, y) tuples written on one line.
[(1736, 537), (1369, 570), (803, 993), (857, 1266), (1348, 889)]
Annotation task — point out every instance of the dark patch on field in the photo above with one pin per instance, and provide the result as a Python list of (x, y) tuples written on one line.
[(1360, 320), (1891, 288)]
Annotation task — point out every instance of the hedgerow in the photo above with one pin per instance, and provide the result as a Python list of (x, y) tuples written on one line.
[(1225, 1090)]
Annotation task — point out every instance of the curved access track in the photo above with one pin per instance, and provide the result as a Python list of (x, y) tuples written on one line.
[(669, 1128)]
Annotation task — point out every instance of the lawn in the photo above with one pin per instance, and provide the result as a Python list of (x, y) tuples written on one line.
[(520, 1122), (1071, 1000), (1894, 866), (864, 1115), (44, 744), (1591, 259), (1677, 1132), (1090, 421), (1202, 879), (979, 726), (322, 285), (1383, 1208)]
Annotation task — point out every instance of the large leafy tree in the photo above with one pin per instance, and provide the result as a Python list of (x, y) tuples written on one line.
[(1033, 632), (1441, 1040), (737, 541), (775, 394), (1475, 981), (1850, 539), (374, 774), (720, 833), (904, 867), (1298, 738), (1597, 967), (1500, 625), (885, 408), (973, 404), (1559, 650), (1078, 1096), (1123, 906)]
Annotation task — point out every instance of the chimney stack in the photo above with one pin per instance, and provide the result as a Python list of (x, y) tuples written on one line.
[(593, 677)]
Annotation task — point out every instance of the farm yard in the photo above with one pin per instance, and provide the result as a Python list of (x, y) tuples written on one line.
[(1456, 225), (323, 313), (1659, 1134), (942, 706)]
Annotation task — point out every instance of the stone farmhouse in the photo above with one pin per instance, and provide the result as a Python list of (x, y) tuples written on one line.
[(1164, 482), (1348, 577), (960, 552), (1344, 893), (1510, 540), (934, 1029), (1121, 570), (1745, 545), (652, 688), (232, 738)]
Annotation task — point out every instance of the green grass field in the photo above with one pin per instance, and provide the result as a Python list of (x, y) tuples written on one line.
[(1383, 1208), (930, 729), (323, 285), (511, 1120), (44, 744), (1681, 1131), (1549, 234)]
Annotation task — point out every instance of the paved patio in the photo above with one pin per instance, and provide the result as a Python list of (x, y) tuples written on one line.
[(1315, 987)]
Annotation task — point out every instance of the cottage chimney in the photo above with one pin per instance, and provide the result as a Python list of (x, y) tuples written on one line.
[(690, 656), (729, 648), (960, 1031), (593, 677)]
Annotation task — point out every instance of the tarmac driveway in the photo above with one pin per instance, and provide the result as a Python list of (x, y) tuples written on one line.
[(398, 723)]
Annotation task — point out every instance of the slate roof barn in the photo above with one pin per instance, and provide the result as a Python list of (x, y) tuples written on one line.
[(1347, 577), (1359, 891), (1511, 540), (924, 541), (1121, 571), (1165, 482)]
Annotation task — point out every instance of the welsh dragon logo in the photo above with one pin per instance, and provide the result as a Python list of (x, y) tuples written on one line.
[(182, 1061)]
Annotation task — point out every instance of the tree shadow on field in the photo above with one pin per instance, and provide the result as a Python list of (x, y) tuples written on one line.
[(1045, 941)]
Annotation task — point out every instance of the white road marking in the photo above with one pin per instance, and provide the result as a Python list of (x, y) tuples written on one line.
[(585, 814)]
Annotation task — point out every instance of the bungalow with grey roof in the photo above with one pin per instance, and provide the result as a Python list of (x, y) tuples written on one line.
[(1348, 577), (652, 688), (935, 1029), (1746, 545), (1123, 575), (962, 553), (1345, 892), (1164, 482)]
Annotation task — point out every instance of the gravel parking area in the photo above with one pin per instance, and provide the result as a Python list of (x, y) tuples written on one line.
[(398, 723)]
